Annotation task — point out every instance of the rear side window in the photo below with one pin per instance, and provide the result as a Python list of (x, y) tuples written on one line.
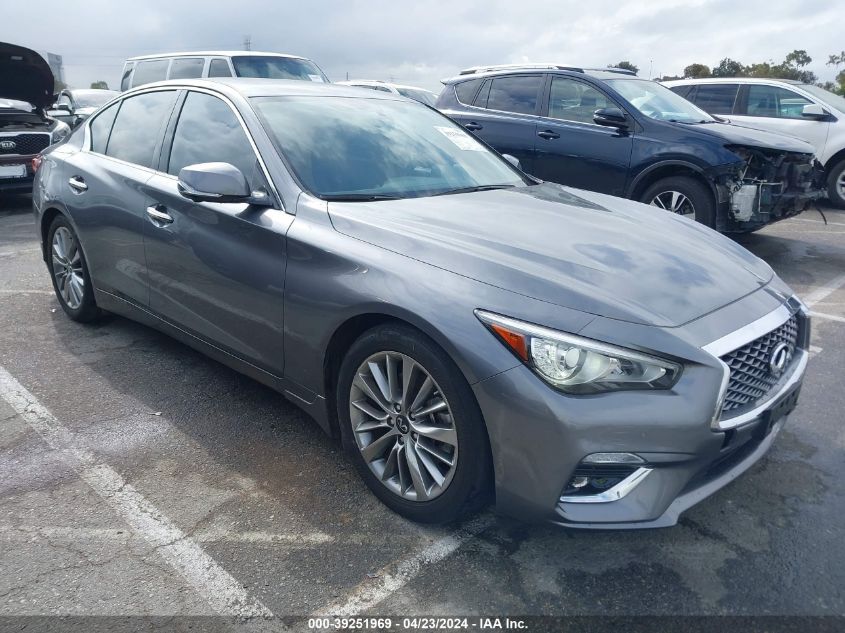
[(772, 101), (147, 72), (514, 94), (127, 71), (101, 127), (219, 68), (186, 68), (209, 132), (466, 90), (138, 126), (715, 98)]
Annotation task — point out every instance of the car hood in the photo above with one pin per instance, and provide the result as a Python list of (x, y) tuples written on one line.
[(581, 250), (25, 76), (750, 137)]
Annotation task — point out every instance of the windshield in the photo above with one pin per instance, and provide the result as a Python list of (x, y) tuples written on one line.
[(270, 67), (828, 97), (360, 148), (423, 96), (658, 102), (93, 99)]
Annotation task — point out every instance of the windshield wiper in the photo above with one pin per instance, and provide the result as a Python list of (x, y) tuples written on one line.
[(358, 197), (472, 189)]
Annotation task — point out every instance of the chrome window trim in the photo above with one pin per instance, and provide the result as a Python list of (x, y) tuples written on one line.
[(86, 143), (620, 490)]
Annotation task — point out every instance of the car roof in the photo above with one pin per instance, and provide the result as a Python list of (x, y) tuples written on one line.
[(249, 87), (215, 54), (378, 82), (731, 80), (478, 72)]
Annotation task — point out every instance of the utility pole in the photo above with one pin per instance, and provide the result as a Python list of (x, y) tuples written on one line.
[(650, 66), (247, 43)]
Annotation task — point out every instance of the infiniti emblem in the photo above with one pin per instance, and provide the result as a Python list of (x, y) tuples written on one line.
[(779, 358), (8, 145)]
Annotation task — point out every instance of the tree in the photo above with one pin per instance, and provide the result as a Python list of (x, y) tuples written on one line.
[(99, 85), (798, 58), (696, 71), (729, 68), (836, 61), (625, 66)]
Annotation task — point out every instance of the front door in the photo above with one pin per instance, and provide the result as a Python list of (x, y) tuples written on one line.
[(217, 270)]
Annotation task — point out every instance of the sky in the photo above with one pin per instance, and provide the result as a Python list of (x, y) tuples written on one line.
[(419, 43)]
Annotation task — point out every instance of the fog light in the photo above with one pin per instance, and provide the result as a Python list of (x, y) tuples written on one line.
[(579, 482), (613, 458)]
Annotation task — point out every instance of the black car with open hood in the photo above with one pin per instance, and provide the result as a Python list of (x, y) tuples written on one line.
[(26, 91)]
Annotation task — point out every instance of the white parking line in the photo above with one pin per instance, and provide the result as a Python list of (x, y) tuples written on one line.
[(222, 592), (822, 292), (396, 575)]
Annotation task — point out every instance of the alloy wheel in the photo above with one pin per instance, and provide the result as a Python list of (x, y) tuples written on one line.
[(67, 268), (674, 201), (840, 185), (403, 426)]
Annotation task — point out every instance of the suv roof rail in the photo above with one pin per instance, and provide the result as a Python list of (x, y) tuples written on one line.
[(615, 69), (484, 69)]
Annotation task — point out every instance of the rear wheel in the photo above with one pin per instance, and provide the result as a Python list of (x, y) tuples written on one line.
[(685, 196), (69, 272), (836, 184), (411, 426)]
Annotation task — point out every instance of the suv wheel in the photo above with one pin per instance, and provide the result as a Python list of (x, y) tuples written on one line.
[(836, 184), (684, 196), (411, 426), (69, 272)]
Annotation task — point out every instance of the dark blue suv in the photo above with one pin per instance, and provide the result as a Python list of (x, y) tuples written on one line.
[(612, 132)]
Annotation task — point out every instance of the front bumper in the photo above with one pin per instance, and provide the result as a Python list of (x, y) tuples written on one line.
[(539, 438)]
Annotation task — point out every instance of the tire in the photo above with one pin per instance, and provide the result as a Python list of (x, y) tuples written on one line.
[(836, 184), (69, 272), (387, 470), (698, 200)]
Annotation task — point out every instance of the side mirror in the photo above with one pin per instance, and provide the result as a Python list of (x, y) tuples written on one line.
[(513, 160), (213, 182), (63, 106), (814, 111), (611, 117)]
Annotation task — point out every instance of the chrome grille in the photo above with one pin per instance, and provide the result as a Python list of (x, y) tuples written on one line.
[(24, 144), (751, 377)]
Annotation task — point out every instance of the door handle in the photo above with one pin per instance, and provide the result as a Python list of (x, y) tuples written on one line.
[(159, 215), (77, 184), (472, 126), (548, 135)]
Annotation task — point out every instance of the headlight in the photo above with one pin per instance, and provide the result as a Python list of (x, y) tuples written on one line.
[(579, 365), (61, 132)]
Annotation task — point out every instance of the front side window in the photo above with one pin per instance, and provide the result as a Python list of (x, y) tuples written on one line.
[(101, 127), (150, 71), (138, 126), (272, 67), (514, 94), (715, 98), (359, 148), (773, 101), (209, 132), (186, 68), (656, 101), (219, 68), (572, 100)]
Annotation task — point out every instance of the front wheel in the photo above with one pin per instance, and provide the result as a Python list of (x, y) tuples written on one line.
[(685, 196), (411, 426), (836, 184)]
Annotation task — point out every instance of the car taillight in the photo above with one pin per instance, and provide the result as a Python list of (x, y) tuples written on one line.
[(36, 162)]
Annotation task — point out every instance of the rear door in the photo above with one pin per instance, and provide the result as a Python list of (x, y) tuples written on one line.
[(217, 270), (107, 190), (504, 114), (778, 109), (571, 149)]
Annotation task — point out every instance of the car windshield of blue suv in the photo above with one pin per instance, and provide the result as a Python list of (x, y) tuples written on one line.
[(658, 102), (346, 148)]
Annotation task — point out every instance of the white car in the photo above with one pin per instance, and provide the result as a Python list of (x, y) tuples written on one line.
[(417, 94), (779, 105)]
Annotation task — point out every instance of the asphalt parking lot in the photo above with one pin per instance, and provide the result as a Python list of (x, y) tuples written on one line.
[(138, 477)]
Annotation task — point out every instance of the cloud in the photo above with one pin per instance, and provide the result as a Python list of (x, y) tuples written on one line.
[(421, 42)]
